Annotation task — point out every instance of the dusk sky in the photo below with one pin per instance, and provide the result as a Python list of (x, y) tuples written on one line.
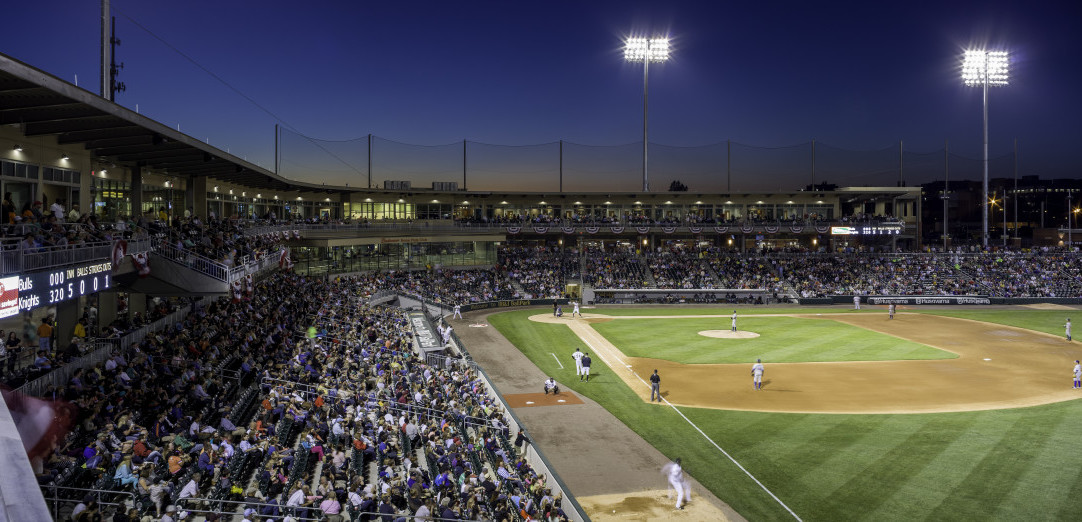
[(861, 76)]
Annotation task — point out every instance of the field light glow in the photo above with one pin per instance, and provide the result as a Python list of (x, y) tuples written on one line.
[(980, 64), (642, 49)]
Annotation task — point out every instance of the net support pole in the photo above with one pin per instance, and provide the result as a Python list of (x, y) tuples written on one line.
[(946, 192), (901, 178), (1015, 190), (729, 166), (561, 165)]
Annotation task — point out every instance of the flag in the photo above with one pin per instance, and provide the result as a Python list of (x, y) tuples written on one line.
[(120, 249), (238, 290), (284, 262), (142, 263)]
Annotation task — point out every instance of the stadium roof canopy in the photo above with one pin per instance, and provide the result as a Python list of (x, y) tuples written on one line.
[(43, 104)]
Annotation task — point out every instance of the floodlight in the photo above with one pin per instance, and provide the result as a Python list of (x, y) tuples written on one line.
[(642, 49), (979, 65), (646, 50), (983, 68)]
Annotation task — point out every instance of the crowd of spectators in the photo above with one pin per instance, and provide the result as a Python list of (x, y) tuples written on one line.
[(235, 406), (617, 269), (800, 273), (542, 272), (445, 285), (669, 219), (679, 268)]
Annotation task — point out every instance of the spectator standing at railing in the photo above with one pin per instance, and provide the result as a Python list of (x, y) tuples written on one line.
[(57, 208), (8, 209), (79, 332), (45, 335)]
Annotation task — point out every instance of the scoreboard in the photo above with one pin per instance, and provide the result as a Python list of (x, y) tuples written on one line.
[(868, 230), (26, 292)]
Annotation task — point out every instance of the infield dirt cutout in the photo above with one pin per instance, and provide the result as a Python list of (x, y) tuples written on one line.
[(997, 367)]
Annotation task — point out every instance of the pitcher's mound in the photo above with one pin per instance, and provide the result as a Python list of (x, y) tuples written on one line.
[(647, 505), (729, 334)]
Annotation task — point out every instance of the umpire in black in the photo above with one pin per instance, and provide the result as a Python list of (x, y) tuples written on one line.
[(655, 386)]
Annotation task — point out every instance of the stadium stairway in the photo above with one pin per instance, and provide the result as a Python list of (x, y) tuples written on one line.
[(647, 273), (518, 288)]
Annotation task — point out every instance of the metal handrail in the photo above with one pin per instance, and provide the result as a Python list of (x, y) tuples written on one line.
[(21, 260), (102, 347), (57, 500), (193, 260)]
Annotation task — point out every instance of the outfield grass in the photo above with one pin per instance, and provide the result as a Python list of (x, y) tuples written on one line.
[(1016, 464), (781, 339)]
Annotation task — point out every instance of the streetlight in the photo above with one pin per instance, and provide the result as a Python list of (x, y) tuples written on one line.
[(646, 50), (985, 68)]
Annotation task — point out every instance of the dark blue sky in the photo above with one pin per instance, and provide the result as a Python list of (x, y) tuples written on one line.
[(860, 76)]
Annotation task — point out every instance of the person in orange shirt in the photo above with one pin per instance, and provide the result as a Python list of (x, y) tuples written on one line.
[(45, 335), (176, 462)]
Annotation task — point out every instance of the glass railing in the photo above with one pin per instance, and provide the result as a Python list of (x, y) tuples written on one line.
[(18, 260)]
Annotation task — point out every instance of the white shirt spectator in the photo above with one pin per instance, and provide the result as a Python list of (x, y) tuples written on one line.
[(191, 489)]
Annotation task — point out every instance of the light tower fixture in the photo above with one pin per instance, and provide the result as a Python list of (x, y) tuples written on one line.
[(984, 68), (646, 50)]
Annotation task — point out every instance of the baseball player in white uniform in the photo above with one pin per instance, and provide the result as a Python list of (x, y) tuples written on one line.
[(578, 361), (576, 311), (458, 312), (677, 481), (856, 302), (1077, 375), (757, 374), (1067, 327), (890, 310), (734, 320)]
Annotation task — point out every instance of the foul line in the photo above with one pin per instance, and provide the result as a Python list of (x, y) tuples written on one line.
[(693, 425), (557, 360)]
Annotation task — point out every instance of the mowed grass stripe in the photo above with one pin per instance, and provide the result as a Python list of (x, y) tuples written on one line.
[(848, 457), (996, 474), (1039, 484), (896, 463), (809, 456), (960, 436), (1071, 504), (782, 339)]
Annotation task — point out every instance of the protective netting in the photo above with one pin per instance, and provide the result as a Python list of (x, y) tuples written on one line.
[(725, 167)]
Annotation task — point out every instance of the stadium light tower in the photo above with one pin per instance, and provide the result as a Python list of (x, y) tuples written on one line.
[(983, 68), (646, 50)]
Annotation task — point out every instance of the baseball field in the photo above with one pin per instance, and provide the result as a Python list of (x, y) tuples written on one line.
[(937, 414)]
